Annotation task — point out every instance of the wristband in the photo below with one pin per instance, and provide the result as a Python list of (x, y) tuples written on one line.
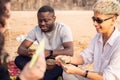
[(51, 52), (86, 73)]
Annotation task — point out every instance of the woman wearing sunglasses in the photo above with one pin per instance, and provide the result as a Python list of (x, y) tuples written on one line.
[(104, 50)]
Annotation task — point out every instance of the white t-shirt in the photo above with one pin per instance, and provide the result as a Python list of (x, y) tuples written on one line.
[(54, 39), (106, 59)]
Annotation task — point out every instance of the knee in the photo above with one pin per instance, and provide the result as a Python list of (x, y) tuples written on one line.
[(72, 77), (68, 76), (20, 61), (17, 59)]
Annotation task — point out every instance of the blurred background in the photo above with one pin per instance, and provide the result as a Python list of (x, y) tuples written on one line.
[(57, 4)]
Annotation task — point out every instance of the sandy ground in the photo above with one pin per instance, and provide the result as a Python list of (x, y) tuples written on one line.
[(80, 22)]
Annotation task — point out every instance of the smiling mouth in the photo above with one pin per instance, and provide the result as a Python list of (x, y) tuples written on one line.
[(98, 28), (44, 29)]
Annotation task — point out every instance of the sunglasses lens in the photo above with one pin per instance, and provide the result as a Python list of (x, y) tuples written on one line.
[(97, 20), (93, 18)]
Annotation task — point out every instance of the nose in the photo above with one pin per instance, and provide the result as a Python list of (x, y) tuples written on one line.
[(42, 22), (95, 23)]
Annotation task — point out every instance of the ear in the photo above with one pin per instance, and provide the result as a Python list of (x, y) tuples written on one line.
[(114, 18), (54, 17)]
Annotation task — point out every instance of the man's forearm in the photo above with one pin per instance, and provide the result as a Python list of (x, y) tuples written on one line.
[(22, 51), (68, 52)]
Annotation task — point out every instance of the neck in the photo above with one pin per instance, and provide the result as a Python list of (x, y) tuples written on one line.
[(52, 29), (107, 35)]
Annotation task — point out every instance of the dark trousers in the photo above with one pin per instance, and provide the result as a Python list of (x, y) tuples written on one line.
[(52, 74)]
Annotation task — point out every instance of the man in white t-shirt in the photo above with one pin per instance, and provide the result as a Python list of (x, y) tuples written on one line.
[(58, 41)]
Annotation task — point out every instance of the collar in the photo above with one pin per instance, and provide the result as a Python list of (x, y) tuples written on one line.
[(112, 38)]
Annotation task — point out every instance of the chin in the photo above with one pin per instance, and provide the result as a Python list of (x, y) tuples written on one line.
[(100, 32), (45, 31)]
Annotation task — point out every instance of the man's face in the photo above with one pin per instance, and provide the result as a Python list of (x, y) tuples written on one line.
[(46, 21)]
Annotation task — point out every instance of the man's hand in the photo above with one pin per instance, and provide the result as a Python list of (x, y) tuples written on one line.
[(31, 52)]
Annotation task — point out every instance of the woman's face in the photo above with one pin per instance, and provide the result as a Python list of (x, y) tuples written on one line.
[(5, 18), (3, 23), (8, 10), (103, 23)]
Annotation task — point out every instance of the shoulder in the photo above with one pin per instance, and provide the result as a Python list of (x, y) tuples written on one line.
[(62, 26), (36, 29)]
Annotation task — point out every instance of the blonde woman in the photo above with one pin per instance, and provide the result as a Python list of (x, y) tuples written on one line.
[(104, 50)]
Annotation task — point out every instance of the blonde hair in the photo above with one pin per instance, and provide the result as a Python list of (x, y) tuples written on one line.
[(108, 7)]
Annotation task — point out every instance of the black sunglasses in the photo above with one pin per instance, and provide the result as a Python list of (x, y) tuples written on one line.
[(98, 20)]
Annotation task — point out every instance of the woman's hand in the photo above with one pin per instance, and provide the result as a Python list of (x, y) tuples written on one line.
[(62, 59), (72, 69)]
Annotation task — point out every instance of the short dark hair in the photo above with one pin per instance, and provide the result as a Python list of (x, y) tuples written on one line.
[(46, 8)]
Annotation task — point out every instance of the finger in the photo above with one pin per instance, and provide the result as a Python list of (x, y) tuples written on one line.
[(58, 63), (41, 60), (31, 49), (30, 53), (64, 68), (58, 57)]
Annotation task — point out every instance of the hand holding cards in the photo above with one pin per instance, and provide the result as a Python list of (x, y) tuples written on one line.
[(40, 50)]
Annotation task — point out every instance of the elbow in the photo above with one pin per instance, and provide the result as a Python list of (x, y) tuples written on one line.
[(71, 54), (71, 51), (19, 51)]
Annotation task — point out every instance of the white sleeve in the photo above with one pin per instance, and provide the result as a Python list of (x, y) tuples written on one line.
[(88, 53), (112, 72), (66, 34), (31, 35)]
